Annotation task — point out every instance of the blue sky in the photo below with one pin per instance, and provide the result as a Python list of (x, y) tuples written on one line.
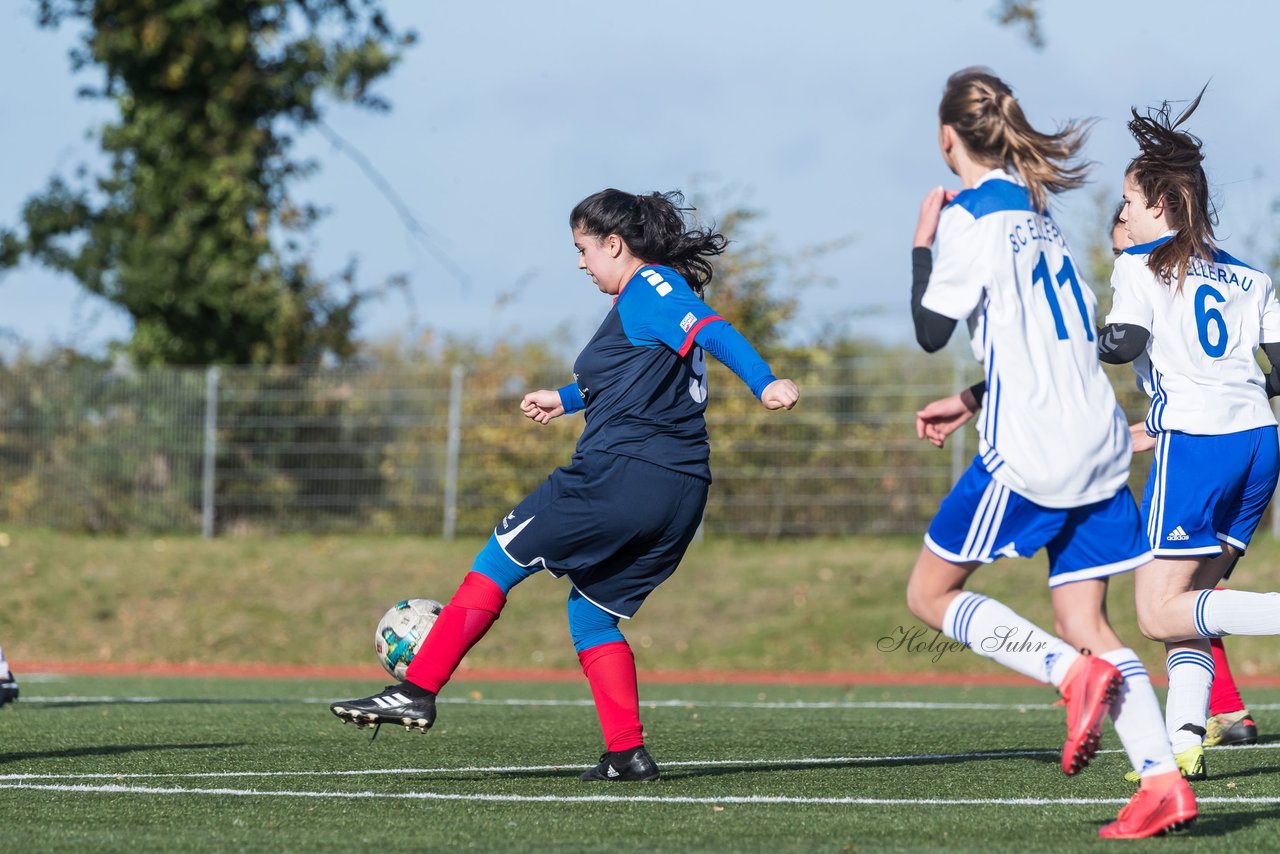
[(821, 115)]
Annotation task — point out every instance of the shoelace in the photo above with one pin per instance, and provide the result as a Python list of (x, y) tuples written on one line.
[(378, 726), (1133, 802)]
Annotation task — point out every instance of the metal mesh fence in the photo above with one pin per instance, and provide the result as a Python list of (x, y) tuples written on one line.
[(433, 449)]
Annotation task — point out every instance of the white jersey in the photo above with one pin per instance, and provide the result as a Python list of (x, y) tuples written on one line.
[(1050, 427), (1200, 372)]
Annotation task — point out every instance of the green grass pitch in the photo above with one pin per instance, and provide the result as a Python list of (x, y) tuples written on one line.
[(133, 764)]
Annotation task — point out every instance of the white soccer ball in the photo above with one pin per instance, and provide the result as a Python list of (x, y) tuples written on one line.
[(401, 632)]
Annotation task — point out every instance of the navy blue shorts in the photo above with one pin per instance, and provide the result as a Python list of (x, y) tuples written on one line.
[(616, 526)]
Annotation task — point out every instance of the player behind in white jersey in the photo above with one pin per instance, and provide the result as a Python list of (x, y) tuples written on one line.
[(1230, 722), (8, 682), (1194, 317), (1054, 454)]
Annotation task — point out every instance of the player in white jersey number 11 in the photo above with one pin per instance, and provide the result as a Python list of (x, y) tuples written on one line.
[(1001, 264)]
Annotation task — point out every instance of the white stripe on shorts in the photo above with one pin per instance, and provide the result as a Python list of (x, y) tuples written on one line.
[(1155, 518), (986, 522)]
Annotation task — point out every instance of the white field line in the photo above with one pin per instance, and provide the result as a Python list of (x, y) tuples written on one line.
[(799, 705), (598, 799), (506, 769), (584, 702), (494, 769)]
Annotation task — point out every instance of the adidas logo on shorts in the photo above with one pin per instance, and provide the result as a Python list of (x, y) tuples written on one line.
[(1177, 535)]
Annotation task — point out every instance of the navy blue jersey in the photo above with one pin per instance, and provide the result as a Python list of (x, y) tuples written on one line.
[(642, 378)]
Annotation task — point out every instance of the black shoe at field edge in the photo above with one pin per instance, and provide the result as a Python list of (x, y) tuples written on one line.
[(624, 766), (1240, 729), (8, 689), (405, 704)]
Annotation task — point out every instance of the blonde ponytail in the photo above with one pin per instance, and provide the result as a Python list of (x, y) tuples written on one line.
[(981, 109)]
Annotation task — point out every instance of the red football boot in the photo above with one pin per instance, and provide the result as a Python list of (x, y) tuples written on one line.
[(1164, 803), (1088, 690)]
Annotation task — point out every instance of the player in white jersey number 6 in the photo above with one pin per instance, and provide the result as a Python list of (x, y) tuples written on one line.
[(1054, 452), (1230, 722), (1193, 317)]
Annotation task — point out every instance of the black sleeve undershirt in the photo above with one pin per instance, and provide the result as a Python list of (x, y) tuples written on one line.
[(1273, 377), (1118, 343), (933, 330), (1121, 343)]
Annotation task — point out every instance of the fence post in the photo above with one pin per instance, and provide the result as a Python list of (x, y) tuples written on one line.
[(452, 449), (211, 376)]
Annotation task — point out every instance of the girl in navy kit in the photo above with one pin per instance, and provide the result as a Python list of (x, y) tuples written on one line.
[(616, 521)]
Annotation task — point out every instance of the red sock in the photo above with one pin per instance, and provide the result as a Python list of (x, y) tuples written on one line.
[(469, 614), (1224, 696), (611, 670)]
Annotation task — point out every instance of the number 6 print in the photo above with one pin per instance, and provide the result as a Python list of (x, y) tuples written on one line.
[(1206, 316)]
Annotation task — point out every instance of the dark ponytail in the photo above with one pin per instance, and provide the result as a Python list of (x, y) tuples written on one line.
[(654, 229), (1169, 169)]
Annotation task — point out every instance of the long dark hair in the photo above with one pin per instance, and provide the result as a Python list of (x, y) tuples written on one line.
[(1169, 169), (654, 228), (1116, 214), (980, 107)]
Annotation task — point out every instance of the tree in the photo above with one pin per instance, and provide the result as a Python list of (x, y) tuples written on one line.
[(192, 230), (1097, 255), (755, 286), (1022, 13)]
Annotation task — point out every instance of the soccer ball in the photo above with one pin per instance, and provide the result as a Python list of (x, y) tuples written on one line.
[(401, 632)]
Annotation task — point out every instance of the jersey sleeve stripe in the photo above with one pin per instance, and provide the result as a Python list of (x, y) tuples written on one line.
[(693, 330)]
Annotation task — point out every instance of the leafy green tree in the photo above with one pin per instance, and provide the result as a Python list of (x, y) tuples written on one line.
[(1024, 14), (753, 286), (757, 287), (1098, 258), (192, 229)]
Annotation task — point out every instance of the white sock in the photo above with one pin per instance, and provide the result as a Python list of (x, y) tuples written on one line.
[(993, 631), (1190, 677), (4, 665), (1136, 716), (1237, 612)]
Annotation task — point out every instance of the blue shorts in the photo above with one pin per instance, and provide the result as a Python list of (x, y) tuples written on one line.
[(1207, 490), (616, 526), (981, 519)]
